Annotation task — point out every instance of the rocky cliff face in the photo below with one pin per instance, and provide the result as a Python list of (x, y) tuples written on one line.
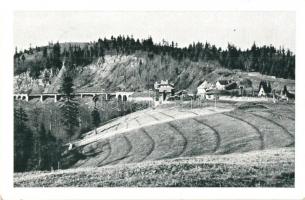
[(138, 72), (91, 77), (23, 83)]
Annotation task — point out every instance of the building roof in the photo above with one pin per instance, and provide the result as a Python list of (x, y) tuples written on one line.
[(213, 91), (231, 86), (181, 92), (201, 82), (223, 82), (205, 85), (164, 86)]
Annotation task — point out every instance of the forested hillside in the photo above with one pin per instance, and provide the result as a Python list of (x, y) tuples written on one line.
[(163, 60)]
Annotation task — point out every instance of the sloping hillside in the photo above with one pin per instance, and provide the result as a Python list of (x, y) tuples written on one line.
[(173, 132), (242, 145)]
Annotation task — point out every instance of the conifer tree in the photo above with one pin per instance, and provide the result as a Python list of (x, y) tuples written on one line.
[(69, 109), (56, 56), (96, 120), (22, 140)]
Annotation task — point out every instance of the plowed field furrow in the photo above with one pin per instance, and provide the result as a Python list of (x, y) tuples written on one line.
[(126, 155), (167, 115), (215, 132), (107, 129), (200, 138), (280, 118), (142, 146), (155, 118), (82, 163), (107, 156), (101, 152), (185, 143), (188, 111), (279, 125), (152, 144), (176, 113), (165, 133), (133, 123), (120, 147), (128, 144), (138, 122), (260, 134), (117, 126), (168, 144), (232, 133), (126, 122), (274, 136), (276, 113)]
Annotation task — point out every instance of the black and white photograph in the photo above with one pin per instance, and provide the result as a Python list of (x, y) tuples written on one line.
[(153, 99)]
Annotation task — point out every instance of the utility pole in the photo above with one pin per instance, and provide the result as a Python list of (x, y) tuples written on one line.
[(149, 98), (50, 128), (215, 101)]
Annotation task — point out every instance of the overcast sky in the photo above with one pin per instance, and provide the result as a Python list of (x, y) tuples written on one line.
[(217, 27)]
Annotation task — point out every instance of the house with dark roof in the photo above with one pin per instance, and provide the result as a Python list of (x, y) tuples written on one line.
[(264, 89), (231, 86), (286, 94)]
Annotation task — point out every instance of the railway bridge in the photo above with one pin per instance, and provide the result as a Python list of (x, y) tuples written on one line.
[(120, 96)]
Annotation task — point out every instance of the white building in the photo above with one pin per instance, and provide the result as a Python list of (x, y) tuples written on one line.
[(221, 84), (261, 92), (212, 95), (203, 87)]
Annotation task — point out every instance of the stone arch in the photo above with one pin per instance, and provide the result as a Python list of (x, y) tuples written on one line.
[(124, 97), (23, 97), (119, 97)]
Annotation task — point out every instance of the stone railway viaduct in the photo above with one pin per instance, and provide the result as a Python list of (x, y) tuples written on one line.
[(120, 96)]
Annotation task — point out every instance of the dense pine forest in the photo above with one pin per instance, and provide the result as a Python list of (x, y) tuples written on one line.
[(265, 59)]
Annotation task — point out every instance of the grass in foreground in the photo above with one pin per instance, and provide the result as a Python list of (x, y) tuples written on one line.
[(267, 168)]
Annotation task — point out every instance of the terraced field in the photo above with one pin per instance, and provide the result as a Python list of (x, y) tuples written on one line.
[(158, 147), (166, 133)]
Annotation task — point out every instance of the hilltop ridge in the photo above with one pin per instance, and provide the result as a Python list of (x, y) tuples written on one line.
[(137, 72), (126, 63)]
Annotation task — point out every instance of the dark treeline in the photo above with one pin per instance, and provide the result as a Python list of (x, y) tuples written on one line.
[(266, 59), (35, 148)]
